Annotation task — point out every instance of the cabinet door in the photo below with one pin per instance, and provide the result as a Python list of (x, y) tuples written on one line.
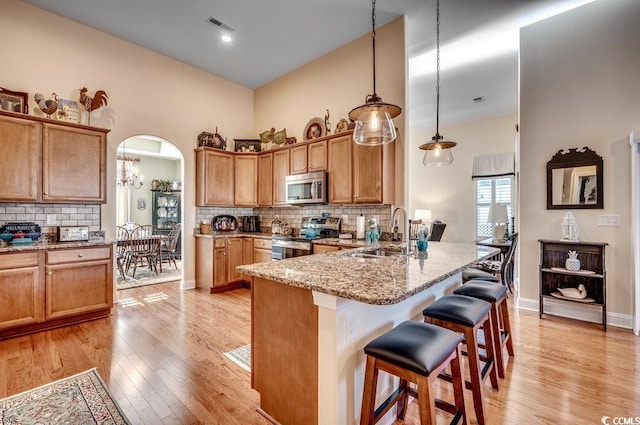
[(73, 165), (214, 178), (321, 249), (298, 160), (367, 174), (265, 179), (317, 156), (204, 262), (234, 258), (78, 288), (20, 148), (261, 255), (247, 251), (246, 180), (20, 282), (280, 172), (340, 170), (220, 267)]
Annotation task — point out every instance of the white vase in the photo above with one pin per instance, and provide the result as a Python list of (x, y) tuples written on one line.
[(572, 264)]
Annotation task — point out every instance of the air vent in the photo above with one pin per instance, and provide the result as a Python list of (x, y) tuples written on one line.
[(479, 99), (220, 24)]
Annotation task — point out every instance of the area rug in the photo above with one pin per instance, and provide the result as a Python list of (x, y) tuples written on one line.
[(145, 277), (241, 356), (79, 399)]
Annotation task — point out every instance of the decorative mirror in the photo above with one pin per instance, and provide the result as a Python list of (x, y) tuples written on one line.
[(574, 180)]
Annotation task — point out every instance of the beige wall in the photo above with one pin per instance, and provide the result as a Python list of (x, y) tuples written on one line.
[(148, 93), (339, 81), (580, 86), (449, 191)]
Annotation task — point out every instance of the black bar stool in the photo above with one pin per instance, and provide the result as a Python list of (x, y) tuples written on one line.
[(496, 294), (467, 315), (415, 352)]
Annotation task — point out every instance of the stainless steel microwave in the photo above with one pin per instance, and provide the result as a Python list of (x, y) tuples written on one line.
[(310, 188)]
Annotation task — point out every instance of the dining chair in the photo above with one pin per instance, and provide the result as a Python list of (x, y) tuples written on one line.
[(169, 245), (122, 249), (144, 245), (504, 269)]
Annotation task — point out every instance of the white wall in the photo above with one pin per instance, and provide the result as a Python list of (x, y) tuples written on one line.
[(449, 191), (148, 93), (580, 86)]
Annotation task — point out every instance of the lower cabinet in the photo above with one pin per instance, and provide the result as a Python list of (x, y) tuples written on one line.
[(216, 262), (321, 249), (54, 287), (261, 250)]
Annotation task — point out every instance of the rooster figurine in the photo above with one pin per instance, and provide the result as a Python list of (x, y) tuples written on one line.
[(47, 106), (91, 103)]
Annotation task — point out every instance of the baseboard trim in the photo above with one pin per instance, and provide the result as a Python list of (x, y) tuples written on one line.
[(188, 284), (572, 310)]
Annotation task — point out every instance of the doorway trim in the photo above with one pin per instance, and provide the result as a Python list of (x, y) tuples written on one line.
[(634, 141)]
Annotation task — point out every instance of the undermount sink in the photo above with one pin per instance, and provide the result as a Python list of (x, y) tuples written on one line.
[(379, 252)]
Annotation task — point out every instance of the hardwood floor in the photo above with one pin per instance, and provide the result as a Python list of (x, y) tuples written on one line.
[(161, 355)]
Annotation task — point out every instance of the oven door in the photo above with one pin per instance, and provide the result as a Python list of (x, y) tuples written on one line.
[(281, 249)]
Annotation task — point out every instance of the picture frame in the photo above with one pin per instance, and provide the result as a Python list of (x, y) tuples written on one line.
[(247, 145), (314, 129), (14, 101)]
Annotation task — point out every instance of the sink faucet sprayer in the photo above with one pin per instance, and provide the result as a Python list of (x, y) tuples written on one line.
[(394, 225)]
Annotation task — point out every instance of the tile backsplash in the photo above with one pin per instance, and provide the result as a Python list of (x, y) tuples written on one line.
[(66, 214)]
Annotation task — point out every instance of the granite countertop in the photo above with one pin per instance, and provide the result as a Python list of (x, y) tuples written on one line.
[(37, 246), (382, 280), (214, 235)]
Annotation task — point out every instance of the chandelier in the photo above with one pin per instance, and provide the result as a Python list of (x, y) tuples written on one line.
[(374, 125), (438, 150), (127, 173)]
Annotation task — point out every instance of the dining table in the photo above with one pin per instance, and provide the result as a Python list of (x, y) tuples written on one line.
[(156, 240), (502, 245)]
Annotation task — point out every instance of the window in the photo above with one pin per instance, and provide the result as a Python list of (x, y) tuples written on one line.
[(498, 190)]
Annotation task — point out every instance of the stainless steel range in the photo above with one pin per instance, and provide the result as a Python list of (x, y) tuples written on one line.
[(311, 228)]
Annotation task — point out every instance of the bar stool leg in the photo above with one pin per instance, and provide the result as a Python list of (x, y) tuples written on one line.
[(497, 340), (506, 323), (427, 402), (369, 395), (458, 383)]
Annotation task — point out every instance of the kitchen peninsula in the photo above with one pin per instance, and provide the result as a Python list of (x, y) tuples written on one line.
[(311, 317)]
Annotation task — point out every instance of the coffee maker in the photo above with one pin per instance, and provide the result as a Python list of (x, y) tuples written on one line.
[(251, 223)]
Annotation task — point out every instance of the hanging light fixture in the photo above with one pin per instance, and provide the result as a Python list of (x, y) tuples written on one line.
[(374, 125), (438, 150), (127, 172)]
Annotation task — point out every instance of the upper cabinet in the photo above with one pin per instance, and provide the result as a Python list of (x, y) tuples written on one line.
[(280, 172), (246, 180), (48, 161), (298, 159), (317, 156), (214, 177), (265, 179)]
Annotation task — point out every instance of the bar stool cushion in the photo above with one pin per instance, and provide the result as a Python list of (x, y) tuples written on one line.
[(458, 309), (484, 290), (471, 273), (416, 346)]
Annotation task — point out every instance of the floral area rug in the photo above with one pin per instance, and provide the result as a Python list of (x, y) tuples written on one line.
[(145, 277), (79, 399), (241, 356)]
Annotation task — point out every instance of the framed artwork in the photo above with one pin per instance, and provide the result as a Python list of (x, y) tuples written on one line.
[(14, 101), (247, 145), (314, 129)]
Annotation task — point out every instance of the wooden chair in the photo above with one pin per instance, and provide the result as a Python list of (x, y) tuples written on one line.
[(487, 269), (122, 249), (144, 246), (170, 244)]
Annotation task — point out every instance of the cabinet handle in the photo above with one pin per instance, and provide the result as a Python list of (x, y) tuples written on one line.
[(80, 255), (46, 193), (49, 273)]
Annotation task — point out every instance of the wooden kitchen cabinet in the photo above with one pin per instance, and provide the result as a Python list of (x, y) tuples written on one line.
[(317, 156), (247, 255), (219, 266), (214, 177), (322, 249), (235, 251), (298, 159), (216, 262), (360, 174), (280, 172), (21, 289), (246, 180), (45, 158), (265, 179), (78, 281), (261, 250)]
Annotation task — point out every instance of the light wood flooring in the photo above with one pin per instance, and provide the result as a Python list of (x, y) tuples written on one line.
[(161, 355)]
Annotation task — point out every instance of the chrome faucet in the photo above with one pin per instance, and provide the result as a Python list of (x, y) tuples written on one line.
[(405, 231)]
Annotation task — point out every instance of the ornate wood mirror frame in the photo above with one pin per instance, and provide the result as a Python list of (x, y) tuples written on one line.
[(574, 180)]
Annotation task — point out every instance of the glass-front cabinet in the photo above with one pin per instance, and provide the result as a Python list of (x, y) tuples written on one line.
[(165, 212)]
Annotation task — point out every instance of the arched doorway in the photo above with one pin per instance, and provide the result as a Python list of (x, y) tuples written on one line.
[(149, 177)]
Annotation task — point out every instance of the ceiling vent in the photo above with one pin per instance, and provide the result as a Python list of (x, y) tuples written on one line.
[(479, 99), (220, 24)]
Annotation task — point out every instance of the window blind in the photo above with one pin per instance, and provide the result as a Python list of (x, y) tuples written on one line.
[(494, 165)]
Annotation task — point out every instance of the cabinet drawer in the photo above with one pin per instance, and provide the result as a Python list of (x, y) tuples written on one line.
[(75, 255), (16, 261), (262, 243), (220, 242)]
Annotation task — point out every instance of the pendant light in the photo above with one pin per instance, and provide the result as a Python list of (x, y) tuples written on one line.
[(374, 125), (438, 150)]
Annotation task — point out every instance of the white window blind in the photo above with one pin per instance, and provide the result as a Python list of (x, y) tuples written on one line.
[(492, 191)]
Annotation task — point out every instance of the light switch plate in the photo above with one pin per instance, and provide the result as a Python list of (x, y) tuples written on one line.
[(612, 220)]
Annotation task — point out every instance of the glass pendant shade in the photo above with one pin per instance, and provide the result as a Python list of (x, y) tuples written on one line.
[(438, 152), (374, 126)]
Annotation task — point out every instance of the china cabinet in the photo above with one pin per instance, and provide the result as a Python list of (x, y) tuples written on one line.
[(165, 213)]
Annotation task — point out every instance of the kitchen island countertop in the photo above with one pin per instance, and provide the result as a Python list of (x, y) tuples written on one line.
[(37, 246), (382, 280)]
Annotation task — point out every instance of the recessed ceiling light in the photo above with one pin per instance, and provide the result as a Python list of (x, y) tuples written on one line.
[(226, 38)]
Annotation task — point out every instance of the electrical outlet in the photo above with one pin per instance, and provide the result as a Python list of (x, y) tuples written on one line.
[(609, 220), (345, 218), (51, 219)]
